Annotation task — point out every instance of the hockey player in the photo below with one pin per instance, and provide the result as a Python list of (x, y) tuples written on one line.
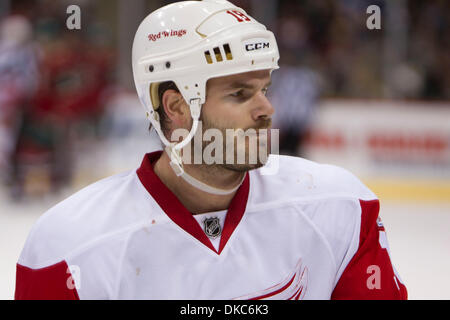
[(289, 229)]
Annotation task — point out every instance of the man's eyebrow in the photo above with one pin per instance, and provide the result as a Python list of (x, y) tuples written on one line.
[(244, 85)]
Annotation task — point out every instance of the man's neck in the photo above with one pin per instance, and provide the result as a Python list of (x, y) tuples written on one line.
[(195, 200)]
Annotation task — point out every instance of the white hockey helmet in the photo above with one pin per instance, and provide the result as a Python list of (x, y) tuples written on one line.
[(190, 42)]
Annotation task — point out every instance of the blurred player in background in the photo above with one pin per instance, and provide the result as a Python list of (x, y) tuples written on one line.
[(295, 92), (295, 87), (51, 95), (19, 76), (282, 228)]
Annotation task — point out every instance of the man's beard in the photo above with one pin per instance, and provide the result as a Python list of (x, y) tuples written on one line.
[(238, 154)]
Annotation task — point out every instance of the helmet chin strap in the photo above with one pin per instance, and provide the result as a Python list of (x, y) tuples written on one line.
[(177, 167), (174, 152)]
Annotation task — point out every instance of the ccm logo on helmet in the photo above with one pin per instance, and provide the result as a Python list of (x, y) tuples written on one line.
[(257, 46)]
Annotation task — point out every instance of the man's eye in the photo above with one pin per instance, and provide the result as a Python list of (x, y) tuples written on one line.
[(264, 91), (237, 94)]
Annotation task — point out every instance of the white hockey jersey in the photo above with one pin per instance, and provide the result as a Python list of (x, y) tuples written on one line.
[(311, 231)]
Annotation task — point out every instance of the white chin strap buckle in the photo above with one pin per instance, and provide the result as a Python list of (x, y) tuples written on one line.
[(175, 160)]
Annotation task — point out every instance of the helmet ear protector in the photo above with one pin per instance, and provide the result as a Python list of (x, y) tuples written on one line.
[(154, 96), (190, 42)]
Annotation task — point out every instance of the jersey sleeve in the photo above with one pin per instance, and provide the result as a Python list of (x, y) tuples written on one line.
[(370, 274), (54, 282)]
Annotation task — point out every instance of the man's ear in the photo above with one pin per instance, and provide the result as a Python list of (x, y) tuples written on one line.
[(175, 108)]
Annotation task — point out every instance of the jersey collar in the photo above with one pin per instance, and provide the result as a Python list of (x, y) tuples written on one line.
[(175, 210)]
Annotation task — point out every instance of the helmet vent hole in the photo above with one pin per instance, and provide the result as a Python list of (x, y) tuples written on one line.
[(228, 53), (208, 57), (168, 64), (218, 54), (151, 68)]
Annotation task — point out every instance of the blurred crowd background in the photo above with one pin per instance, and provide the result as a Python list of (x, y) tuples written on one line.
[(59, 87)]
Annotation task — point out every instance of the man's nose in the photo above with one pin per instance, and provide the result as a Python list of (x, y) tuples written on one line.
[(263, 108)]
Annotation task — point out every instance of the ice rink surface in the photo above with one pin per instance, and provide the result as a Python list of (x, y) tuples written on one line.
[(418, 235)]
